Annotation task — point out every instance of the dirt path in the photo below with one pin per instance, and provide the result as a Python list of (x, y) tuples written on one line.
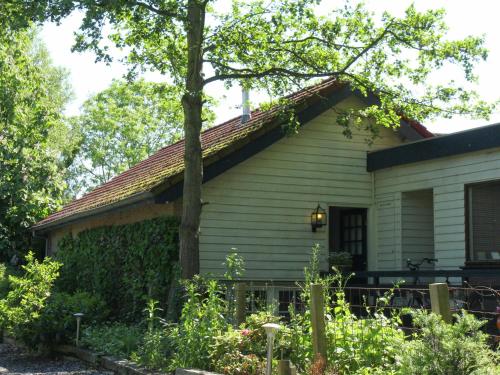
[(17, 361)]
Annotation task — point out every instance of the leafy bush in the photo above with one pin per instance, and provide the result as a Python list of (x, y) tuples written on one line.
[(115, 339), (21, 310), (6, 270), (202, 320), (243, 352), (354, 345), (57, 320), (440, 348), (125, 265), (231, 354), (156, 349), (4, 281)]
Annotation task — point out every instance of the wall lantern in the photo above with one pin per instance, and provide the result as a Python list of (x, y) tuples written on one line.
[(318, 218)]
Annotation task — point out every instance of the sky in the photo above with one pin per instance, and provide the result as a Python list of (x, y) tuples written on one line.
[(462, 16)]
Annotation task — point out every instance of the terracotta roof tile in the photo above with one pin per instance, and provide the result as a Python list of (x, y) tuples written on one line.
[(168, 161)]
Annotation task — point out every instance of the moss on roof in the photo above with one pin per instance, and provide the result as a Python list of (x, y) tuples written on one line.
[(168, 163)]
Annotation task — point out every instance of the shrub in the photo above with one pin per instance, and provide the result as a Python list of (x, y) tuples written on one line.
[(243, 352), (202, 320), (354, 345), (157, 346), (440, 348), (125, 265), (115, 339), (6, 270), (156, 349), (57, 320), (231, 354), (4, 281), (22, 308), (257, 335)]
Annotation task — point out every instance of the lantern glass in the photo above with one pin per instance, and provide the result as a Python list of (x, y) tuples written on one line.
[(318, 218)]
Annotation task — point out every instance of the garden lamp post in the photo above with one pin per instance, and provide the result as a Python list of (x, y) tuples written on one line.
[(78, 317), (271, 329)]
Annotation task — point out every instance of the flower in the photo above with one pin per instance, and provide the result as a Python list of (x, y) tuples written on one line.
[(245, 332)]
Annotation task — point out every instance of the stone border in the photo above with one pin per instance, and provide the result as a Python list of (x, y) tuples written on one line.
[(182, 371), (119, 366)]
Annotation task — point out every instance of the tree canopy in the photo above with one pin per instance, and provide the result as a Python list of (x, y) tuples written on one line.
[(33, 94), (121, 126), (277, 46)]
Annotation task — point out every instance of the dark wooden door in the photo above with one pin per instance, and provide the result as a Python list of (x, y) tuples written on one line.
[(353, 236)]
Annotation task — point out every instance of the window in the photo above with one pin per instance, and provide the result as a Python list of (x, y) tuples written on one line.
[(483, 219)]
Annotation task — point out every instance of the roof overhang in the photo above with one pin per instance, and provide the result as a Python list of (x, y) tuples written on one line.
[(125, 203), (171, 188), (478, 139)]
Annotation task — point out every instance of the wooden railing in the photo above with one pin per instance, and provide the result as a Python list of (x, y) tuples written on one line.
[(413, 277)]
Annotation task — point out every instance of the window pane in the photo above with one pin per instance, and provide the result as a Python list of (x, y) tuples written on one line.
[(484, 222), (360, 248), (360, 220)]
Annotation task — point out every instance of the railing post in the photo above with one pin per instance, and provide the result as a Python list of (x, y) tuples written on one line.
[(240, 301), (285, 367), (440, 300), (318, 321)]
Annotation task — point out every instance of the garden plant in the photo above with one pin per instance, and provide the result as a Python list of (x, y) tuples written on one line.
[(206, 336)]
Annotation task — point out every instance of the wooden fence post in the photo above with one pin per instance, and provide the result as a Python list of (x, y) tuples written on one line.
[(240, 301), (440, 300), (285, 367), (318, 321)]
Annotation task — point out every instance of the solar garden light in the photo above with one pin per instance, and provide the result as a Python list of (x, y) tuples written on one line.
[(78, 317), (271, 329)]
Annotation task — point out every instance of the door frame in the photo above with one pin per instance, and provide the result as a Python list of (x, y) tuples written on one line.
[(371, 256)]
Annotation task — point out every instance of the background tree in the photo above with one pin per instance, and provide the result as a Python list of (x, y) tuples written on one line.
[(32, 157), (121, 126), (277, 46)]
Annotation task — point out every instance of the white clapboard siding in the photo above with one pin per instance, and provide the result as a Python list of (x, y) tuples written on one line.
[(447, 177), (262, 206), (387, 211), (417, 227)]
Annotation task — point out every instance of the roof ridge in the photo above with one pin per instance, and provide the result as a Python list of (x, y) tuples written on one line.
[(258, 110), (168, 161)]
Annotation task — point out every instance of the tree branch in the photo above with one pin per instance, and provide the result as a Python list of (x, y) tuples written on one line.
[(160, 12), (368, 47), (274, 71), (318, 39), (246, 73)]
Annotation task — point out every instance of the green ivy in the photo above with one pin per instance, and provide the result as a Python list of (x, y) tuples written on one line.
[(126, 265)]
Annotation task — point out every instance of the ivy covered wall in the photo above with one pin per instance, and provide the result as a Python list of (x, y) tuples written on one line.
[(125, 265)]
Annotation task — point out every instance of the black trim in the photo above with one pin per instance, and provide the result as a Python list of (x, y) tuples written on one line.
[(218, 167), (469, 263), (453, 144)]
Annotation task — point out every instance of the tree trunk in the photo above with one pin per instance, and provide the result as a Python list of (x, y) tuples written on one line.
[(192, 102)]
